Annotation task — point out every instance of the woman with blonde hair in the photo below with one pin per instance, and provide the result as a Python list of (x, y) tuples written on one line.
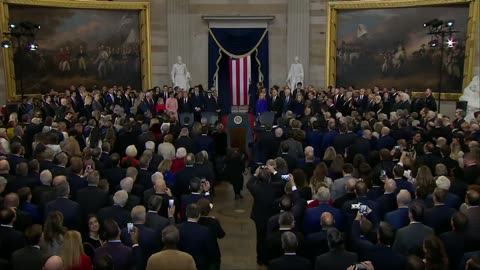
[(329, 155), (320, 177), (456, 152), (425, 179), (164, 167), (53, 230), (72, 253)]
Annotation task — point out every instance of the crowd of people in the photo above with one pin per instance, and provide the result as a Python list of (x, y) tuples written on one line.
[(342, 179)]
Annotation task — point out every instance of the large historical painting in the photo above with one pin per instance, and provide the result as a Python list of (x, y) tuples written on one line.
[(389, 47), (79, 46)]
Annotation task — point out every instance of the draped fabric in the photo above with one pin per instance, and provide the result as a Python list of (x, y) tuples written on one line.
[(224, 43)]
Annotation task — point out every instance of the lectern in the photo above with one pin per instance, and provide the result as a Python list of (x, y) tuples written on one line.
[(239, 131)]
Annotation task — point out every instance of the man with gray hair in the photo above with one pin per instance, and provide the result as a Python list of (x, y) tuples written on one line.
[(159, 189), (311, 222), (387, 202), (127, 185), (117, 211), (290, 259), (147, 238), (183, 177), (399, 218), (70, 209), (184, 141), (273, 242), (45, 192)]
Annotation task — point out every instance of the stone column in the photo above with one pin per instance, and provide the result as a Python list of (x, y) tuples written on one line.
[(298, 34), (179, 35)]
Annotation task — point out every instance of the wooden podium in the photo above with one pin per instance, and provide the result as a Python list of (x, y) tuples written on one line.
[(239, 131)]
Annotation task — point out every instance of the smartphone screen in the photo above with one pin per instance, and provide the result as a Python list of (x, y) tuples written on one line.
[(170, 203), (129, 227)]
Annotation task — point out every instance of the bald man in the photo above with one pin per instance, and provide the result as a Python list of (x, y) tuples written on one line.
[(399, 218), (385, 141), (23, 219), (53, 263), (387, 202), (316, 243)]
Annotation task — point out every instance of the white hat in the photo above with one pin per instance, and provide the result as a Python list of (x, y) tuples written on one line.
[(443, 182)]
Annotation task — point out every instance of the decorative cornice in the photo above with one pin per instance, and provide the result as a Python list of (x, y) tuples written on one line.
[(238, 18)]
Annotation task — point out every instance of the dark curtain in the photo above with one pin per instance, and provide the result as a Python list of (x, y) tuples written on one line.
[(237, 41)]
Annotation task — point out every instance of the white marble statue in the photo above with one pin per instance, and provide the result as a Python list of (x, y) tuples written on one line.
[(180, 75), (471, 94), (295, 75)]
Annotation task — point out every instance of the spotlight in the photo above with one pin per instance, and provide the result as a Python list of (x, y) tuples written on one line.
[(429, 23), (36, 26), (6, 44), (433, 43), (12, 25), (433, 23), (450, 23), (33, 46), (451, 43)]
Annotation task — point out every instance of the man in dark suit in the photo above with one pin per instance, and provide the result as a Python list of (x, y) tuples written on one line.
[(361, 101), (385, 141), (200, 190), (147, 237), (202, 169), (144, 176), (439, 216), (185, 103), (473, 214), (16, 156), (159, 189), (71, 210), (23, 219), (11, 239), (316, 243), (146, 136), (287, 101), (409, 240), (290, 259), (399, 218), (266, 144), (400, 180), (31, 256), (337, 258), (115, 174), (273, 241), (155, 221), (122, 256), (75, 179), (418, 104), (92, 198), (455, 240), (117, 212), (196, 239), (275, 103), (311, 222), (380, 254), (362, 145), (348, 196), (314, 138), (387, 202), (204, 142), (345, 139), (44, 192), (350, 212), (430, 100), (183, 177), (22, 179), (198, 103), (430, 158), (471, 172), (185, 141)]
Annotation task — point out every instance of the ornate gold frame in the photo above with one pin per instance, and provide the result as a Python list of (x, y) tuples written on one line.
[(473, 17), (145, 36)]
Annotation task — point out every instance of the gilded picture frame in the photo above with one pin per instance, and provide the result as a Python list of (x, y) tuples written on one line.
[(144, 34), (470, 44)]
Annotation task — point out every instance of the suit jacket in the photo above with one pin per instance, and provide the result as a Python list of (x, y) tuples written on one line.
[(114, 176), (343, 141), (147, 239), (385, 142), (76, 183), (409, 240), (273, 244), (471, 174), (338, 187), (287, 105), (398, 218), (157, 223), (275, 106), (185, 142), (72, 215), (438, 218), (266, 142), (117, 213), (454, 242), (191, 198), (122, 255), (185, 107), (386, 203), (197, 241), (380, 255), (164, 208), (204, 142), (287, 262), (11, 240), (263, 200), (361, 146), (311, 222), (430, 103), (295, 149), (13, 160), (91, 200), (335, 260), (316, 244), (42, 194), (27, 258), (20, 182), (473, 227), (182, 181), (171, 259)]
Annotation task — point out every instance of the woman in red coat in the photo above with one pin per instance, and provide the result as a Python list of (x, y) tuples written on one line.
[(178, 163)]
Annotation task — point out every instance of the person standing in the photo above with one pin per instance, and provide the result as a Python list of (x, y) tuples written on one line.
[(235, 166)]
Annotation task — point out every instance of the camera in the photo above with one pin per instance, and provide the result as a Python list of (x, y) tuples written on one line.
[(285, 177)]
